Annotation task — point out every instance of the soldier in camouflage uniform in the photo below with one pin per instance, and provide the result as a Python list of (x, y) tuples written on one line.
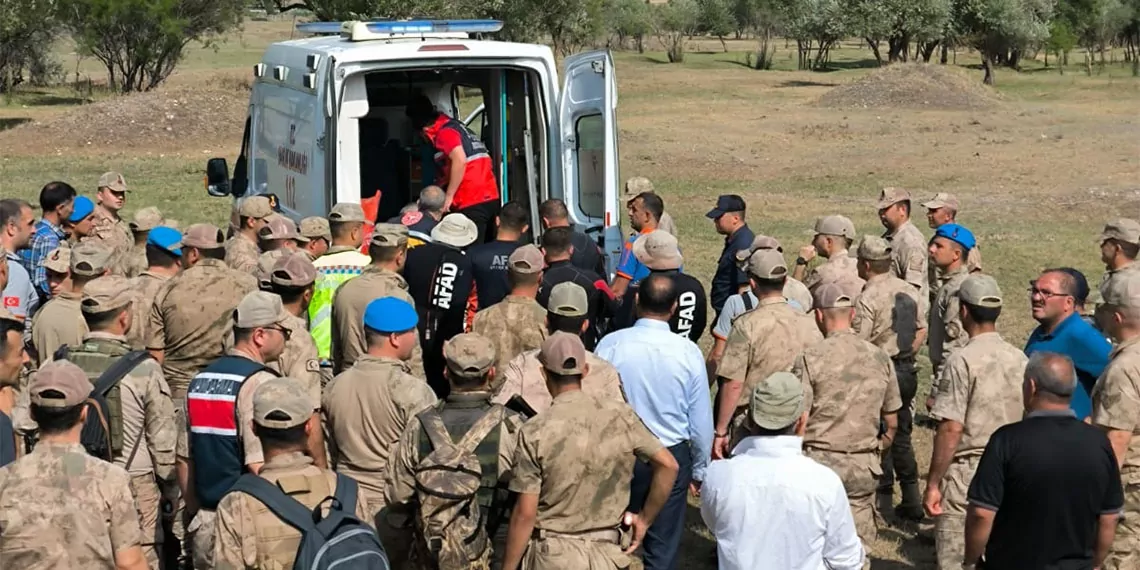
[(57, 266), (1119, 246), (246, 533), (1116, 407), (59, 506), (908, 245), (833, 237), (470, 371), (517, 323), (945, 335), (941, 210), (148, 430), (241, 249), (108, 227), (980, 391), (60, 322), (762, 342), (850, 388), (164, 260), (316, 230), (367, 407), (292, 279), (572, 471), (193, 311), (887, 314), (134, 262), (278, 238)]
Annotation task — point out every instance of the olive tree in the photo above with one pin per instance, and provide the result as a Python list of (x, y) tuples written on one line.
[(26, 35), (994, 27), (673, 23), (816, 26)]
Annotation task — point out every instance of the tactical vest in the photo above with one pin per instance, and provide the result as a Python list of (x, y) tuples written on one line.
[(490, 494), (472, 146), (211, 415), (94, 357)]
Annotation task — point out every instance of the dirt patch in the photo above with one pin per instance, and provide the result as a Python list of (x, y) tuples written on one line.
[(913, 85)]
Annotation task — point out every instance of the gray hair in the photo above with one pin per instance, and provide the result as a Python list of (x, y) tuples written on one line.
[(412, 207), (1053, 373), (432, 199)]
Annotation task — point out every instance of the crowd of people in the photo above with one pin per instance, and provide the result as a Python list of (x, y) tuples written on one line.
[(443, 395)]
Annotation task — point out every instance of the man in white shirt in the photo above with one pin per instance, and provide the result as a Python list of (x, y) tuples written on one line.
[(769, 506)]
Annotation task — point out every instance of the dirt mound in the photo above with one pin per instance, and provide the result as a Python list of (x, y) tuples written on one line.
[(166, 119), (913, 85)]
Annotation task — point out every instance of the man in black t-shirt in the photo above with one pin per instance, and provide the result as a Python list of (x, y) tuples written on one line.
[(1047, 493), (659, 252), (587, 255), (557, 248), (489, 260)]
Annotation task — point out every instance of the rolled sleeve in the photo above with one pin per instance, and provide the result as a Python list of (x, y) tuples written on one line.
[(528, 474), (953, 392), (737, 356), (1116, 401)]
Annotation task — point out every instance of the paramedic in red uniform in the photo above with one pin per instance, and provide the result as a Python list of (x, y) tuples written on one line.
[(464, 168)]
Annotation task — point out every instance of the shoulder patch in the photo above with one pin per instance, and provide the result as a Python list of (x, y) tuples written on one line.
[(312, 365), (411, 218)]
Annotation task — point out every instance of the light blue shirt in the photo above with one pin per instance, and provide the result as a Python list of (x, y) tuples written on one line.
[(666, 383)]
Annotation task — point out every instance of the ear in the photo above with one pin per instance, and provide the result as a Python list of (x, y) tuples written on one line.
[(83, 415), (525, 228), (585, 369)]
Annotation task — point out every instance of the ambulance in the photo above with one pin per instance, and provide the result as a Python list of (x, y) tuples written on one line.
[(326, 121)]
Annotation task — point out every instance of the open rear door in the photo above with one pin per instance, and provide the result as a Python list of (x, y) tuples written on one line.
[(588, 121)]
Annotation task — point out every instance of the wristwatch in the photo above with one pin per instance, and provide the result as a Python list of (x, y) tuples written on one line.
[(717, 434), (801, 261)]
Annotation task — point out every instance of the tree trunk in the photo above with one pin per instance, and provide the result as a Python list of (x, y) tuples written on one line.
[(928, 51), (1014, 61), (988, 67), (640, 40), (945, 53), (723, 44), (874, 44)]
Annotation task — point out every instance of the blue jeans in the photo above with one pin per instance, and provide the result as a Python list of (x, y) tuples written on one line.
[(663, 539)]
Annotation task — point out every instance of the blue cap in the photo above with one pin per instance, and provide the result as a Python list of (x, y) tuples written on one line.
[(957, 234), (390, 315), (82, 207), (166, 238)]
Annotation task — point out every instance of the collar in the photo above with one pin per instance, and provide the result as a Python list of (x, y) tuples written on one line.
[(12, 256), (339, 249), (380, 361), (837, 255), (1125, 267), (525, 300), (291, 460), (149, 273), (58, 229), (558, 262), (69, 295), (889, 235), (568, 397), (60, 447), (1123, 346), (833, 334), (652, 324), (876, 279), (770, 446), (1066, 413), (1065, 323), (433, 130), (377, 270), (728, 239), (781, 300), (984, 336), (106, 214), (473, 399), (209, 262), (235, 351), (960, 270), (99, 335)]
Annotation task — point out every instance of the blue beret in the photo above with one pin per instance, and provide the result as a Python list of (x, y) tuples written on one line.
[(165, 238), (390, 315), (82, 207), (958, 234)]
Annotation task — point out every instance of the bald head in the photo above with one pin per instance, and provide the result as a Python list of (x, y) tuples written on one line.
[(431, 200), (1053, 375), (656, 296)]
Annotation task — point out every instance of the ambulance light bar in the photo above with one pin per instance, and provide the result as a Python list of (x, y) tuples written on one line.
[(390, 28)]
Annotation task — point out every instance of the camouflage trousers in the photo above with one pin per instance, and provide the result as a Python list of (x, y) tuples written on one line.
[(395, 535), (548, 551), (860, 473), (148, 504), (200, 535), (950, 526), (1124, 554)]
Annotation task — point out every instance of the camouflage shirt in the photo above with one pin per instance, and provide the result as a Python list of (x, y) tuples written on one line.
[(349, 302), (114, 233), (1116, 399), (764, 341), (887, 315), (945, 328), (146, 287), (242, 254), (299, 359), (848, 384), (1116, 274), (62, 508), (515, 324), (839, 268), (981, 389), (935, 276), (524, 377), (909, 255), (134, 261), (59, 323)]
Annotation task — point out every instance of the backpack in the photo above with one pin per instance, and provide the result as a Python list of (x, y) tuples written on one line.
[(448, 480), (336, 540), (102, 433)]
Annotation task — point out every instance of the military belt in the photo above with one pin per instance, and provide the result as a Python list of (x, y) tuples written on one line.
[(840, 452), (603, 535)]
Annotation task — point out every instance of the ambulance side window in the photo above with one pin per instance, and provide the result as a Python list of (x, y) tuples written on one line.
[(590, 134)]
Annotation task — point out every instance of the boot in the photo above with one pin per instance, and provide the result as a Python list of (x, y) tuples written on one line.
[(884, 501), (911, 506)]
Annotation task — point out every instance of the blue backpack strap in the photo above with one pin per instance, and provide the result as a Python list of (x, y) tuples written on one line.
[(285, 507), (346, 492)]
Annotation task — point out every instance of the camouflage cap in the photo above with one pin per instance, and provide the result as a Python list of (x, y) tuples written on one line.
[(456, 230), (314, 227), (778, 401), (832, 296), (259, 309), (256, 207), (526, 260), (1121, 229), (90, 259), (346, 212), (890, 196), (563, 353), (658, 250), (568, 299), (767, 264), (59, 384), (264, 271), (389, 235), (203, 236), (635, 186), (294, 270), (835, 226), (59, 260), (980, 290), (112, 181), (759, 242), (282, 403), (942, 200), (146, 219), (1122, 290), (280, 227), (469, 355), (107, 293), (6, 315), (874, 248)]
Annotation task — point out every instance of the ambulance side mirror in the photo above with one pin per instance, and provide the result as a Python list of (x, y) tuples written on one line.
[(217, 177)]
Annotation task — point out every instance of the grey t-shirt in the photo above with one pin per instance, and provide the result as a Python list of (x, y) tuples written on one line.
[(7, 440), (735, 306), (20, 297)]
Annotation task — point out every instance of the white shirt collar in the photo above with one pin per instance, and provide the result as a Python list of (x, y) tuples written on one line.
[(770, 446)]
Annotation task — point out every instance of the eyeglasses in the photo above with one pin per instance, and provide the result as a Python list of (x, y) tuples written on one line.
[(1046, 294), (284, 332)]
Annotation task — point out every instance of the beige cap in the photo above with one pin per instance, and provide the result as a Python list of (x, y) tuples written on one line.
[(264, 271), (942, 200), (256, 207), (280, 227), (147, 219), (874, 248), (346, 212), (835, 226), (777, 401), (282, 403), (980, 290), (1122, 290), (832, 296), (107, 293), (469, 355), (68, 380), (6, 315), (203, 236), (568, 299), (891, 196), (89, 259), (767, 264), (59, 260), (259, 309), (526, 260), (314, 227), (658, 250), (635, 186), (1123, 229), (112, 181), (758, 243), (563, 353), (455, 230), (293, 270), (389, 235)]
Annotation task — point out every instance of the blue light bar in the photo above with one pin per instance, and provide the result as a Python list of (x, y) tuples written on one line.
[(413, 27)]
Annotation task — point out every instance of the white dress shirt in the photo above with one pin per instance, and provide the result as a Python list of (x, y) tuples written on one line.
[(772, 507)]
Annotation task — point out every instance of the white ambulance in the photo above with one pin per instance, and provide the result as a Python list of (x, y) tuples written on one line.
[(326, 121)]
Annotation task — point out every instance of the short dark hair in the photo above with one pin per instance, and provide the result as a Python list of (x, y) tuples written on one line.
[(765, 286), (100, 321), (513, 216), (340, 229), (10, 210), (216, 253), (381, 254), (562, 323), (373, 336), (7, 326), (982, 315), (553, 209), (55, 420), (159, 257), (653, 204), (1130, 250), (563, 379), (1074, 283), (557, 241), (879, 266), (421, 111), (905, 205), (288, 293), (278, 439), (242, 334), (466, 382), (789, 429), (516, 279), (656, 294), (55, 194)]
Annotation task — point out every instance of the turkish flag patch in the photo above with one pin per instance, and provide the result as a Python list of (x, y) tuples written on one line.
[(11, 302)]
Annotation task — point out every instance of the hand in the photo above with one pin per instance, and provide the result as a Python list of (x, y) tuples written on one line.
[(447, 205), (638, 527), (929, 403), (720, 447), (807, 252), (932, 501), (695, 488)]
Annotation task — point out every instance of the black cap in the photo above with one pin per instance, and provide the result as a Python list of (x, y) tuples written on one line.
[(726, 203)]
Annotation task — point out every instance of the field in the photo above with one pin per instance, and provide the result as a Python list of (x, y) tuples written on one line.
[(1039, 164)]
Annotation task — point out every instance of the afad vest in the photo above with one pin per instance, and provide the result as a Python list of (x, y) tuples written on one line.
[(478, 183), (211, 414)]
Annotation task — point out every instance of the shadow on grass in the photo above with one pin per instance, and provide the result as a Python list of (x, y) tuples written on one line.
[(867, 63), (49, 99), (698, 550), (10, 122), (802, 83)]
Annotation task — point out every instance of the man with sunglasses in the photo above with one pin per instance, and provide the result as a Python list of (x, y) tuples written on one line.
[(1053, 297)]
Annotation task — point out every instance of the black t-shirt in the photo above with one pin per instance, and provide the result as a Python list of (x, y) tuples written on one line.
[(692, 311), (489, 264), (439, 281), (601, 306), (1049, 477), (7, 440), (587, 255)]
